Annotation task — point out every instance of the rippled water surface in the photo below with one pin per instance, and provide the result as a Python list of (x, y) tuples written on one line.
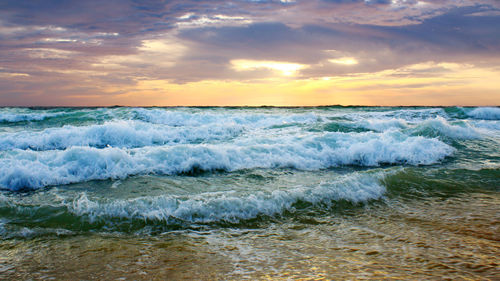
[(256, 193)]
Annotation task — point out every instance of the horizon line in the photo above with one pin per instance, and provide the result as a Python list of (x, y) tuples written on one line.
[(230, 106)]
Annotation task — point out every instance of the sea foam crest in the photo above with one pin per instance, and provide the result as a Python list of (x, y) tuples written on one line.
[(441, 127), (381, 125), (487, 113), (433, 127), (488, 127), (120, 133), (19, 117), (184, 118), (401, 115), (228, 206), (31, 169)]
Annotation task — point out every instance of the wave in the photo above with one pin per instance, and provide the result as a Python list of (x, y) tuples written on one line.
[(22, 117), (488, 127), (228, 206), (32, 169), (440, 127), (193, 128), (68, 211), (79, 211), (487, 113), (402, 114), (433, 127), (199, 118), (132, 133), (120, 133), (381, 125)]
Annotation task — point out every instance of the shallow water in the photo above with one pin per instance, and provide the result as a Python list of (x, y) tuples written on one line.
[(255, 193)]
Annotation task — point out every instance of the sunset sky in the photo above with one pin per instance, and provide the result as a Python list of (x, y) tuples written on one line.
[(249, 52)]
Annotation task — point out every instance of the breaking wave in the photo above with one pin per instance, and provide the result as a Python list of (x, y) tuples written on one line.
[(228, 206), (32, 169), (20, 117), (205, 208), (487, 113), (119, 133), (121, 142)]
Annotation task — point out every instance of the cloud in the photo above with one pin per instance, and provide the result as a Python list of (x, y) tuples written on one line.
[(454, 36), (52, 49), (283, 68)]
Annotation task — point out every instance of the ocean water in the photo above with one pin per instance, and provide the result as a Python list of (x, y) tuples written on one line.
[(250, 193)]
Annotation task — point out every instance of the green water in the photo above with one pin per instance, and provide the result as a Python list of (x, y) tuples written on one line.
[(250, 193)]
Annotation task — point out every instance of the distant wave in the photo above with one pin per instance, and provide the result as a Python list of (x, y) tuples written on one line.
[(487, 113), (20, 117), (404, 114), (432, 127), (135, 133), (441, 127), (119, 133), (255, 120)]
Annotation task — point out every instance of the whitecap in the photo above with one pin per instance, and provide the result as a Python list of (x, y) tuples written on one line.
[(228, 206), (32, 169), (487, 113)]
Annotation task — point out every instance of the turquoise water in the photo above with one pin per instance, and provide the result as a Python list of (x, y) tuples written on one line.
[(233, 193)]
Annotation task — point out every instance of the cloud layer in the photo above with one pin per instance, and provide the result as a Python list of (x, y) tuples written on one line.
[(104, 52)]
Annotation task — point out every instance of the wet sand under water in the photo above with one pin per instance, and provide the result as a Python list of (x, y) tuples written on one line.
[(453, 238)]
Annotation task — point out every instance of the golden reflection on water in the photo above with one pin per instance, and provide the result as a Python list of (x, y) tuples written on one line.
[(107, 258), (454, 238)]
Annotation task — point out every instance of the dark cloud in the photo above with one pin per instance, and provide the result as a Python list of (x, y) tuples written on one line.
[(126, 17), (456, 31), (454, 37), (368, 2)]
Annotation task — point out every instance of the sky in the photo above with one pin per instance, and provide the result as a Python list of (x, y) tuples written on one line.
[(249, 52)]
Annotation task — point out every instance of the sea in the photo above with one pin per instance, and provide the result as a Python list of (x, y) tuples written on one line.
[(250, 193)]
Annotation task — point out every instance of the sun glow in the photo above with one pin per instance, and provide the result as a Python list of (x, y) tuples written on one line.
[(377, 88), (284, 68), (344, 61)]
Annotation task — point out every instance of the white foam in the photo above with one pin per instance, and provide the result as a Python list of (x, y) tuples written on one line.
[(31, 169), (248, 119), (437, 126), (459, 130), (19, 117), (382, 125), (228, 206), (133, 133), (121, 133), (487, 113), (487, 127), (402, 115)]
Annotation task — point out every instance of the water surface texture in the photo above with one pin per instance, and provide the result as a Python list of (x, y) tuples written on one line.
[(256, 193)]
